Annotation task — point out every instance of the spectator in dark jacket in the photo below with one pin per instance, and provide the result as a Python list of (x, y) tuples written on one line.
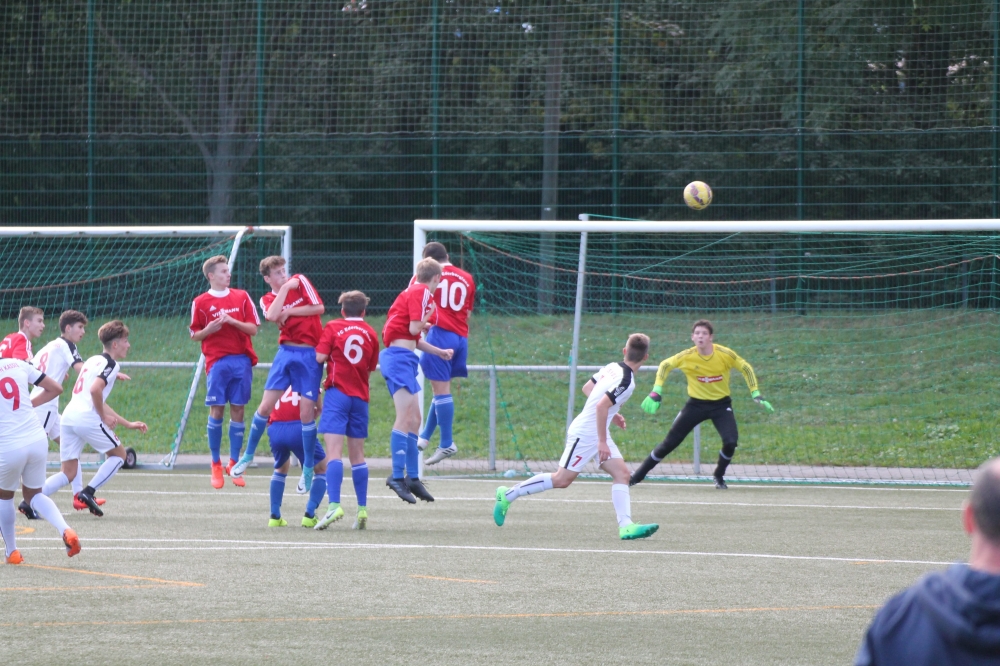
[(952, 617)]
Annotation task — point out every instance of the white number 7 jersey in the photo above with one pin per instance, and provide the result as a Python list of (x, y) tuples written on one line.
[(615, 380)]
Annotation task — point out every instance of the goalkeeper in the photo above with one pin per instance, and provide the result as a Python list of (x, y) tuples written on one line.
[(707, 366)]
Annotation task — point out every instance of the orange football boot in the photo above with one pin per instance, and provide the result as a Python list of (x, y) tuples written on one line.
[(72, 542)]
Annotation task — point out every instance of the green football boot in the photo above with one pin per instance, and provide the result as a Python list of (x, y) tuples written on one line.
[(637, 531), (309, 522), (501, 506), (277, 522), (361, 522), (333, 514)]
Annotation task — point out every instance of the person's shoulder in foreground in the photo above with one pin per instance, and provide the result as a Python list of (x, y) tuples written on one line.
[(949, 617)]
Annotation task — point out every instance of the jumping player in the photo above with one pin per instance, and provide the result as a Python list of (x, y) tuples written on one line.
[(707, 367), (455, 297), (411, 315), (55, 359), (349, 347), (88, 419), (295, 307), (30, 325), (284, 430), (223, 320), (23, 450), (588, 436)]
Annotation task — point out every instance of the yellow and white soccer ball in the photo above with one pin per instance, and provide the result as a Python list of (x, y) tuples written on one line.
[(698, 195)]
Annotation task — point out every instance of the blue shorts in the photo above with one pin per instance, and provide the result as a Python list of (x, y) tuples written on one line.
[(229, 380), (296, 366), (286, 439), (399, 367), (343, 415), (437, 368)]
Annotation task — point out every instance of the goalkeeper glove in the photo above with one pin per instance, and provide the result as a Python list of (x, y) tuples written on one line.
[(652, 401), (763, 403)]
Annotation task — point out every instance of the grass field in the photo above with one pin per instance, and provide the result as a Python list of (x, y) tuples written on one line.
[(176, 573), (886, 388)]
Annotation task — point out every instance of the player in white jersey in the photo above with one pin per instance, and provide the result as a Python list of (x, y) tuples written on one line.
[(23, 450), (55, 359), (588, 437), (88, 419)]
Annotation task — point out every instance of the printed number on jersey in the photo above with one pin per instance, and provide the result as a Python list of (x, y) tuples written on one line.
[(353, 351), (79, 382), (10, 391), (43, 361), (290, 396), (452, 295)]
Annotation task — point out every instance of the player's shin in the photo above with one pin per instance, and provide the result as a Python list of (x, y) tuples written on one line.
[(309, 445), (642, 470), (334, 480), (412, 456), (7, 515), (725, 457), (539, 483), (214, 437), (316, 495), (445, 408), (43, 505), (398, 444), (277, 492), (237, 430), (58, 480), (432, 421), (77, 483), (359, 474), (622, 501), (107, 470), (257, 427)]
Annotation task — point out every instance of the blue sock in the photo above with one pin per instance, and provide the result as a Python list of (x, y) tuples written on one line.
[(412, 456), (398, 445), (334, 479), (309, 443), (215, 437), (236, 431), (257, 428), (445, 408), (316, 494), (432, 421), (277, 490), (359, 473)]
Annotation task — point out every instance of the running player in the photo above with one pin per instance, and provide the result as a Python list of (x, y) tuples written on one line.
[(349, 347), (410, 315), (295, 307), (284, 430), (588, 436), (88, 419), (55, 359), (30, 324), (707, 367), (23, 451), (454, 297), (223, 320)]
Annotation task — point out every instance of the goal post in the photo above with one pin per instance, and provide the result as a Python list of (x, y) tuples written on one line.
[(868, 336), (147, 276)]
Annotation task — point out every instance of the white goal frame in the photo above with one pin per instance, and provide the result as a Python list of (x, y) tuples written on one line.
[(585, 225)]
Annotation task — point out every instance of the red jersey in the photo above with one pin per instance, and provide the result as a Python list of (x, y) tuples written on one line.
[(287, 407), (353, 349), (227, 341), (455, 297), (298, 330), (16, 345), (411, 305)]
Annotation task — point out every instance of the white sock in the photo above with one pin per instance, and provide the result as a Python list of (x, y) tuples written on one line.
[(623, 503), (7, 514), (43, 505), (539, 483), (77, 482), (57, 481), (106, 471)]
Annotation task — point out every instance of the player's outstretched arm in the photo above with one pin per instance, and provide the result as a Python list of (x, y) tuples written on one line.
[(117, 420), (751, 379), (50, 389), (428, 348), (652, 402)]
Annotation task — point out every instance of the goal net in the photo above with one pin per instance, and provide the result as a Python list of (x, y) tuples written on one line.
[(876, 348), (147, 277)]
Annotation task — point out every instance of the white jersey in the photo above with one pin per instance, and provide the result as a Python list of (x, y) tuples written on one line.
[(80, 410), (614, 380), (19, 427), (55, 359)]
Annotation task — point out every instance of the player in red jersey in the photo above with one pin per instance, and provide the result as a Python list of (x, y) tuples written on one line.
[(30, 324), (223, 320), (295, 307), (454, 298), (284, 430), (412, 313), (349, 347)]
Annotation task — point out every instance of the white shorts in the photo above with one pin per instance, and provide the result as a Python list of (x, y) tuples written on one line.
[(49, 418), (24, 466), (581, 450), (72, 438)]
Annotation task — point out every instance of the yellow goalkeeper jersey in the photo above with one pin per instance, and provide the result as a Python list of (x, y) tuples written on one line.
[(707, 377)]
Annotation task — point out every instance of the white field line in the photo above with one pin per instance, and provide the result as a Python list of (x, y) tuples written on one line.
[(238, 494), (236, 544)]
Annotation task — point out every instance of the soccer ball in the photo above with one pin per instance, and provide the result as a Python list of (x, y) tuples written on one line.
[(698, 195)]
